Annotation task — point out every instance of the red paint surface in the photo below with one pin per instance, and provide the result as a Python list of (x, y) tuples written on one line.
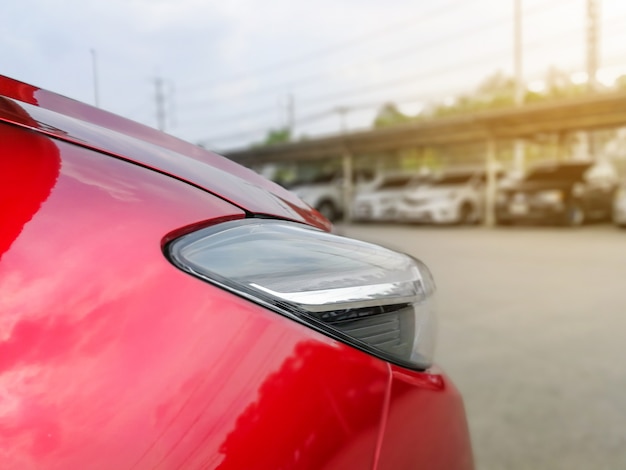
[(91, 127), (110, 357), (436, 436)]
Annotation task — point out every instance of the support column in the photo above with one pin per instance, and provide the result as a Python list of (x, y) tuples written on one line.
[(519, 156), (519, 152), (593, 62), (421, 152), (560, 147), (490, 186), (348, 190)]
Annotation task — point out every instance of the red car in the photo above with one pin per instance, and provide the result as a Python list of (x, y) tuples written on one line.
[(162, 307)]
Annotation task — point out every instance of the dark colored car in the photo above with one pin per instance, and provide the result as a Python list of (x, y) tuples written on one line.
[(619, 205), (164, 308), (567, 193)]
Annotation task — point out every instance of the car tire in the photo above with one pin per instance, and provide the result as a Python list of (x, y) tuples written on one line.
[(616, 222), (328, 210), (502, 222), (574, 215), (466, 214)]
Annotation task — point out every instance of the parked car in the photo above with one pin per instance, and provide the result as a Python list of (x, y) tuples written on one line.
[(379, 202), (568, 193), (163, 307), (619, 206), (323, 189), (323, 192), (452, 197)]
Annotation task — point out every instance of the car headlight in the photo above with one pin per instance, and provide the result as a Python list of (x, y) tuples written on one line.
[(373, 298), (550, 197)]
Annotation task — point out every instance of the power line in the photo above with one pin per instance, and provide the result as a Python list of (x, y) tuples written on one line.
[(337, 47), (314, 77), (159, 99), (302, 120), (94, 64), (243, 115), (398, 101), (314, 117), (438, 72), (403, 53), (593, 28), (328, 98), (537, 42)]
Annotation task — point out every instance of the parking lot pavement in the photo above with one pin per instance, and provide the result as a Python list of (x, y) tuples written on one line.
[(532, 328)]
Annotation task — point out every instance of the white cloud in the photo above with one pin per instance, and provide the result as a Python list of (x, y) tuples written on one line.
[(245, 55)]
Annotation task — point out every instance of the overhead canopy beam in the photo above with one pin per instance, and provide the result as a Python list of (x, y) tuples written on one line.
[(585, 113)]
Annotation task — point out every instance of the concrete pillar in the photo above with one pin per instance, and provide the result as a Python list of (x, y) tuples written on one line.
[(490, 186), (519, 156), (348, 190), (560, 147)]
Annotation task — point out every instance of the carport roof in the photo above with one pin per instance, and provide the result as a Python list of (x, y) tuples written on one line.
[(596, 111)]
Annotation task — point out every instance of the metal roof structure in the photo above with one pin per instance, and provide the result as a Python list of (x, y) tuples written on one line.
[(587, 113), (597, 111)]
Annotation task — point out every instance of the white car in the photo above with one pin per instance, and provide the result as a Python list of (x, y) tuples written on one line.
[(454, 197), (380, 202), (326, 197), (324, 191)]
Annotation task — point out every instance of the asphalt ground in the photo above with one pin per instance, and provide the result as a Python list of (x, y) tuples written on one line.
[(532, 329)]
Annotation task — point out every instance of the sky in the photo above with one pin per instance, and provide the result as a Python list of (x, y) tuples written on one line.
[(229, 71)]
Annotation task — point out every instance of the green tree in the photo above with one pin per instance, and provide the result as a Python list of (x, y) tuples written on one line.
[(390, 115), (276, 136)]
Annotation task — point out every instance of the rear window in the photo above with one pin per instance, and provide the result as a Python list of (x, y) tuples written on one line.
[(558, 173), (393, 183), (447, 180)]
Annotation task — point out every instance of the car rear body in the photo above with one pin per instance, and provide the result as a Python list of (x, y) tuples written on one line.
[(323, 188), (619, 206), (111, 357), (566, 193), (381, 200), (451, 198)]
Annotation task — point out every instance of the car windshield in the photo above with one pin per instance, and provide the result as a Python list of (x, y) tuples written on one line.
[(451, 180), (306, 178), (314, 176), (396, 182), (558, 173)]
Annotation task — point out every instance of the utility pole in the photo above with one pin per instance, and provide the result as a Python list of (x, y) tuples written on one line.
[(291, 115), (95, 77), (342, 110), (287, 114), (490, 187), (518, 145), (347, 161), (519, 81), (172, 101), (593, 39), (159, 98)]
